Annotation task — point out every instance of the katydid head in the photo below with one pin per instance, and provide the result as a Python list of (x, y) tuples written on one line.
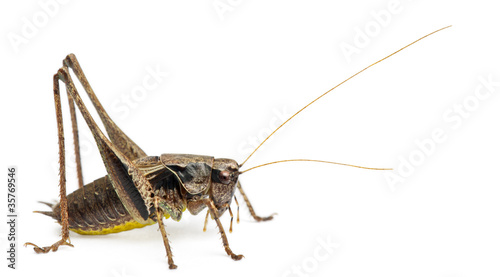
[(225, 173)]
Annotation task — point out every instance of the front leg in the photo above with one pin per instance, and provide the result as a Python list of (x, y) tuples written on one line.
[(213, 211), (252, 211)]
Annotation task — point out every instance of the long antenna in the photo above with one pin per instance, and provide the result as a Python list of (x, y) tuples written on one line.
[(318, 161), (255, 150)]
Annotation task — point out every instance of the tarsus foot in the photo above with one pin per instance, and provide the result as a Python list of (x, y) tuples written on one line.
[(236, 257), (258, 218), (47, 249)]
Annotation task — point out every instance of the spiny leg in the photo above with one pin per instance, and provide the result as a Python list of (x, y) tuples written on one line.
[(252, 211), (159, 216), (62, 178), (213, 210), (103, 145)]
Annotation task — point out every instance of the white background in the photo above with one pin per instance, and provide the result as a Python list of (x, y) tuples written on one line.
[(228, 78)]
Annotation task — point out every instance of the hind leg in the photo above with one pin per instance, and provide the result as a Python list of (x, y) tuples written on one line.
[(62, 178)]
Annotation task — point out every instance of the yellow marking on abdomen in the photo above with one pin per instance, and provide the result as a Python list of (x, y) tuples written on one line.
[(129, 225), (115, 229)]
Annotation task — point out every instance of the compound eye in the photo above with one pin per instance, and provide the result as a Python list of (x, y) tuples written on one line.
[(225, 177)]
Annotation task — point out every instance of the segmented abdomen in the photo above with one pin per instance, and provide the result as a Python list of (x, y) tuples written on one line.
[(96, 209)]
